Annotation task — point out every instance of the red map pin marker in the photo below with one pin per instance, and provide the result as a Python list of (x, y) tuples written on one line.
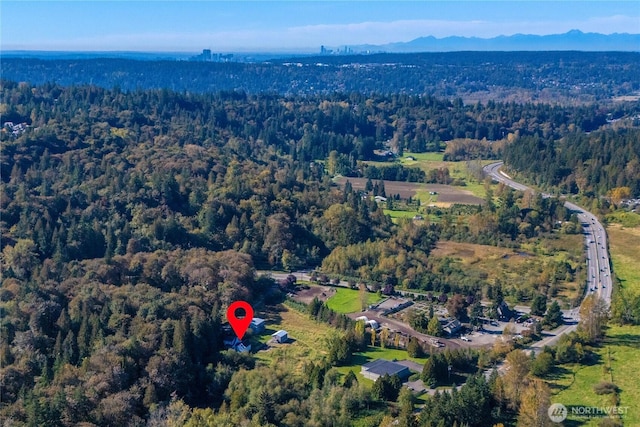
[(240, 325)]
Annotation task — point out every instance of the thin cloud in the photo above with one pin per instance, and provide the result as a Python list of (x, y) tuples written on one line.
[(310, 37)]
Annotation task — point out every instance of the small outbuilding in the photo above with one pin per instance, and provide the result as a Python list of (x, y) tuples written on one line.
[(281, 336), (373, 324), (257, 325)]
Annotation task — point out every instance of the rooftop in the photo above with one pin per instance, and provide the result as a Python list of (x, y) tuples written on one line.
[(382, 367), (281, 333)]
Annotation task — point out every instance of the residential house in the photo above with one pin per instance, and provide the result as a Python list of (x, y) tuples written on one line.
[(452, 326), (257, 325)]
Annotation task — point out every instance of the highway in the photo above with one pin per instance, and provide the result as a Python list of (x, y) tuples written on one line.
[(598, 264)]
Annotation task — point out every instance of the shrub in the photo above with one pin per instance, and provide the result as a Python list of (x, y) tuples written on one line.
[(605, 387)]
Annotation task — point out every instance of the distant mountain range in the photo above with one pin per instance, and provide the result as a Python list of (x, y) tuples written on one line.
[(572, 40)]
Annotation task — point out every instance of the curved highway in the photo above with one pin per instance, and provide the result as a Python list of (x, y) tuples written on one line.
[(598, 265)]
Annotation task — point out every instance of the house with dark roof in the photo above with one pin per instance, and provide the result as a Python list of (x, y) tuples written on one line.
[(237, 345), (378, 368), (257, 325), (504, 312), (452, 326)]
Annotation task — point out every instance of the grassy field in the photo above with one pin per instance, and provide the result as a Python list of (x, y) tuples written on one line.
[(430, 157), (306, 344), (429, 161), (626, 219), (401, 214), (624, 244), (348, 300), (397, 214), (512, 266), (306, 338), (573, 384), (457, 170)]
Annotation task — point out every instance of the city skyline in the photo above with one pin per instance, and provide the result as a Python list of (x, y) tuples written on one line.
[(302, 25)]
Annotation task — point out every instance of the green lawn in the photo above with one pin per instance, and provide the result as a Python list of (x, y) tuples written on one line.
[(395, 215), (400, 214), (348, 300), (373, 353), (574, 383), (431, 157)]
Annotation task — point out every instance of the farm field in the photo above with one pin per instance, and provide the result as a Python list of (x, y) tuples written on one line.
[(447, 194), (457, 170), (348, 300), (429, 161), (421, 157)]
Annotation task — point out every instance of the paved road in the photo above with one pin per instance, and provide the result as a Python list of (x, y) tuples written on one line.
[(598, 265), (598, 268), (396, 325)]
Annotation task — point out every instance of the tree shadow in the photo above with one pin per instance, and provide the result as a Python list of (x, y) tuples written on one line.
[(574, 423), (627, 340), (557, 372), (358, 359), (591, 358)]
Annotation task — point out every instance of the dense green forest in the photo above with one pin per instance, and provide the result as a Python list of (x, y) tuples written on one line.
[(568, 77), (131, 219), (99, 173), (590, 164)]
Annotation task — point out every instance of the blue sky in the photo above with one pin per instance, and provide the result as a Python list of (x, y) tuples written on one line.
[(190, 26)]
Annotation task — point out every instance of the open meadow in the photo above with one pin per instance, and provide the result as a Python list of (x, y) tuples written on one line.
[(306, 338), (457, 170), (519, 268), (625, 254)]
